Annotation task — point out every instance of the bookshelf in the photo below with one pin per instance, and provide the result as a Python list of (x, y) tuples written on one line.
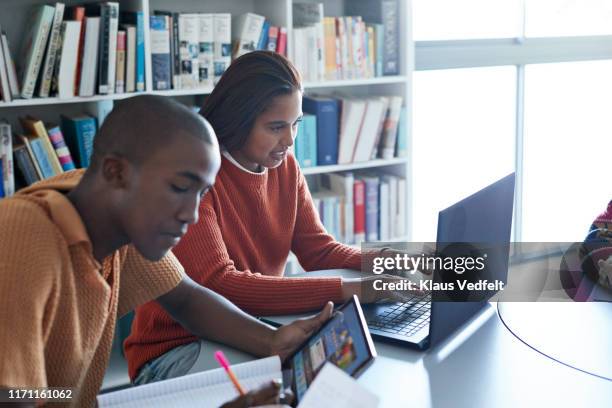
[(14, 18)]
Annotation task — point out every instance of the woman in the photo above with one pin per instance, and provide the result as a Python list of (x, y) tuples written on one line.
[(258, 210)]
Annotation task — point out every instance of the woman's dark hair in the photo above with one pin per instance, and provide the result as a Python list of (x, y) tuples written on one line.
[(245, 90)]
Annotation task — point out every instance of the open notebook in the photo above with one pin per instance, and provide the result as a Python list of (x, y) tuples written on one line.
[(206, 389)]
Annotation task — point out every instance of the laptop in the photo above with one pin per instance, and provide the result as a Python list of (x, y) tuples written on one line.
[(484, 217)]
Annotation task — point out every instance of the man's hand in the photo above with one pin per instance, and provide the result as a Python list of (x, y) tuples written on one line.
[(287, 338), (268, 395), (365, 290)]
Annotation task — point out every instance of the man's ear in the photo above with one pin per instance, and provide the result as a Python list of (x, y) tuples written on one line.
[(116, 171)]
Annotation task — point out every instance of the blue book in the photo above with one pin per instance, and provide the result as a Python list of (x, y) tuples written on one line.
[(306, 141), (326, 110), (401, 146), (262, 44), (79, 133), (379, 38), (160, 52), (1, 178), (40, 154)]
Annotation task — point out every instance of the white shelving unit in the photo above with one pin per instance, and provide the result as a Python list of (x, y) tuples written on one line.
[(13, 20)]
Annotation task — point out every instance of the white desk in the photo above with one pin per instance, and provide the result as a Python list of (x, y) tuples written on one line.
[(482, 365)]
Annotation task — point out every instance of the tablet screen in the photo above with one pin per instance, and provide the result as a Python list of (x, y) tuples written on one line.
[(343, 341)]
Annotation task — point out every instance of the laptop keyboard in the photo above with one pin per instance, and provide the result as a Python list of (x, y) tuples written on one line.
[(405, 318)]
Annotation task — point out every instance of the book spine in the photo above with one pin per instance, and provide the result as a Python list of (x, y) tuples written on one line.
[(389, 134), (86, 131), (63, 154), (222, 25), (383, 211), (371, 208), (50, 59), (140, 52), (130, 65), (6, 154), (2, 194), (10, 67), (25, 165), (34, 49), (206, 53), (263, 37), (41, 157), (120, 71), (281, 47), (189, 39), (359, 211), (310, 140), (113, 10), (390, 18), (176, 52), (379, 35), (91, 49), (160, 52), (327, 128), (104, 49), (247, 34), (401, 146), (5, 88), (272, 38), (78, 14)]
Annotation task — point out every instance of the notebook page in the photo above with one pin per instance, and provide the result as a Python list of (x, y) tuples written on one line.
[(250, 374), (334, 387)]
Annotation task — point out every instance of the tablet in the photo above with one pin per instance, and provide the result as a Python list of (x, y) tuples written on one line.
[(344, 340)]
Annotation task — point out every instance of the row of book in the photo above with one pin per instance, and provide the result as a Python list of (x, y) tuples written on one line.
[(349, 130), (77, 51), (44, 150), (192, 50), (356, 208), (363, 44)]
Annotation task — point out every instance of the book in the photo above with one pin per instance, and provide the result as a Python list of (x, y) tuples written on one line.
[(10, 67), (401, 146), (401, 210), (209, 388), (306, 141), (52, 51), (120, 69), (67, 60), (130, 57), (331, 63), (272, 38), (246, 30), (39, 155), (2, 194), (25, 164), (5, 87), (107, 60), (61, 149), (343, 185), (159, 30), (384, 210), (281, 45), (222, 33), (263, 36), (326, 111), (189, 37), (78, 14), (171, 36), (206, 50), (371, 126), (371, 207), (359, 211), (136, 18), (385, 12), (390, 126), (353, 112), (79, 132), (33, 48), (89, 62), (37, 128), (391, 206), (6, 155)]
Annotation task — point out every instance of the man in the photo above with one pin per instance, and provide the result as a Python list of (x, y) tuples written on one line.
[(81, 249)]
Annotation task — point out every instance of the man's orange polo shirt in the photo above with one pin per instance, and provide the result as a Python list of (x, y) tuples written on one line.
[(58, 305)]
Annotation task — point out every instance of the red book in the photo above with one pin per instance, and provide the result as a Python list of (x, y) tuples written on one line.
[(281, 47), (78, 14), (359, 211)]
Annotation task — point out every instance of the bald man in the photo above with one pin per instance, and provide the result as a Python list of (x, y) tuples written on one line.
[(84, 248)]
